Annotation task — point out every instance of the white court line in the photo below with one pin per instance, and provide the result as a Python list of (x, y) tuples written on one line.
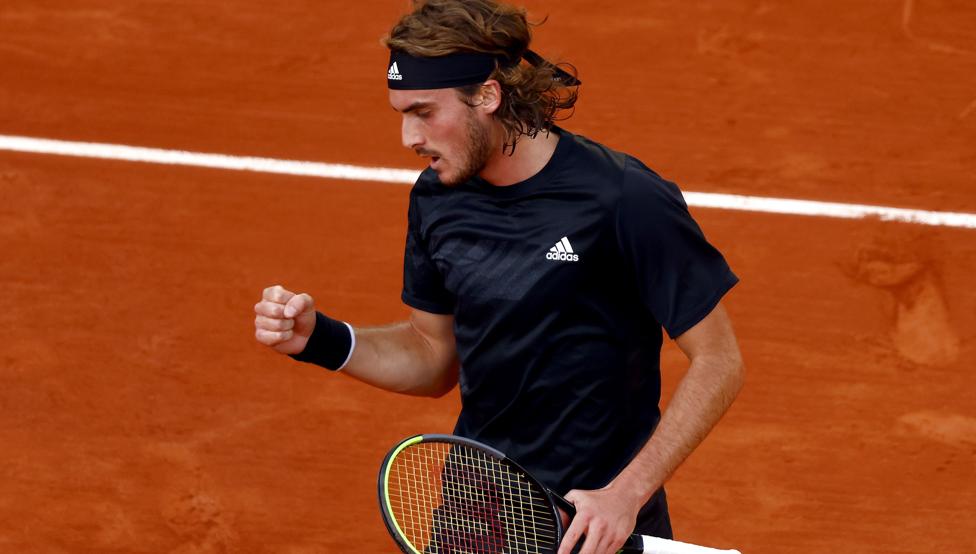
[(407, 176), (196, 159)]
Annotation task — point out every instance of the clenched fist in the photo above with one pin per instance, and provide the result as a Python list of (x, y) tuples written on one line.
[(284, 320)]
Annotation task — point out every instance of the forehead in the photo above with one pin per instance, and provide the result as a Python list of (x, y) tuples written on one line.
[(405, 100)]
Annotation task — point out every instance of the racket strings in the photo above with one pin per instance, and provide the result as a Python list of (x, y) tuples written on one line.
[(452, 499)]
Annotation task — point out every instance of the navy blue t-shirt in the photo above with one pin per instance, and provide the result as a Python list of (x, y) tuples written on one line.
[(559, 287)]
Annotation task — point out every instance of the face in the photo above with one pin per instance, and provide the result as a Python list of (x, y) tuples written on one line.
[(439, 126)]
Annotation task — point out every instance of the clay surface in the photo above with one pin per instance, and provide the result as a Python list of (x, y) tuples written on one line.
[(139, 415)]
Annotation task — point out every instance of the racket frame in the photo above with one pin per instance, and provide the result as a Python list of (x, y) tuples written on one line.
[(384, 480)]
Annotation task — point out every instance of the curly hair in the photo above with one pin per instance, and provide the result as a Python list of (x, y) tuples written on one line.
[(533, 95)]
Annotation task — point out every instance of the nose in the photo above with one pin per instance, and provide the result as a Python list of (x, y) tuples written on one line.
[(409, 133)]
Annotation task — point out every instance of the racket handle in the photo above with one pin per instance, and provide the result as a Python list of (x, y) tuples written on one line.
[(563, 504), (653, 545), (644, 544)]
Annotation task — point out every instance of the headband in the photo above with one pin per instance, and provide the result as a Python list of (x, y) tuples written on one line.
[(408, 72)]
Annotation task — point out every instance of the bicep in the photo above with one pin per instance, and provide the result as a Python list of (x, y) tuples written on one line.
[(437, 332)]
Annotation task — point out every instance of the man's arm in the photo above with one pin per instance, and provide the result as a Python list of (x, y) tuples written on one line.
[(715, 375), (418, 356)]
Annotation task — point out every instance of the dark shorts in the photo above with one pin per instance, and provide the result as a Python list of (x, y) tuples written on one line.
[(653, 519)]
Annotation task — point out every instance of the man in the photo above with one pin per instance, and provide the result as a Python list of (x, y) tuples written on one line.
[(546, 264)]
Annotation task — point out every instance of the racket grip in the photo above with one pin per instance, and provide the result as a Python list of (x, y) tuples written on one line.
[(644, 544), (563, 504)]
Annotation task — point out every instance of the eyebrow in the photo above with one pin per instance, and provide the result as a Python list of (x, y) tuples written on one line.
[(418, 105)]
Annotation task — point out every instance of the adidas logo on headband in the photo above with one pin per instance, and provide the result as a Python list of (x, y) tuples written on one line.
[(394, 73)]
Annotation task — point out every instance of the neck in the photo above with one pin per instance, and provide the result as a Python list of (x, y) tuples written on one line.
[(531, 155)]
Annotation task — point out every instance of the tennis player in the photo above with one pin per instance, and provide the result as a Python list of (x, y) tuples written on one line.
[(540, 268)]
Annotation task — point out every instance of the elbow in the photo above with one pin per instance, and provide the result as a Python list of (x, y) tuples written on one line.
[(438, 383), (448, 379), (432, 390), (441, 391), (426, 390)]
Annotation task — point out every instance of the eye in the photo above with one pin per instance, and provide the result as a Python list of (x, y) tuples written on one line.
[(423, 114)]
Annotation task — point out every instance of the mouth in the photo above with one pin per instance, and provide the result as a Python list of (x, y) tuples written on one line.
[(434, 159)]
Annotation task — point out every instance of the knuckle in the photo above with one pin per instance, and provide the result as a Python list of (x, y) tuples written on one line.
[(269, 338), (275, 293), (277, 325), (304, 300)]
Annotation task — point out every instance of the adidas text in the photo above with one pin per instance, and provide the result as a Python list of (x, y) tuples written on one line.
[(562, 256)]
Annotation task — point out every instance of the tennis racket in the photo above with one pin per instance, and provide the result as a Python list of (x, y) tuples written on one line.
[(442, 494)]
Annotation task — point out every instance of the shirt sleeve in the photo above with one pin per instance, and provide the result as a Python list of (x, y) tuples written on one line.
[(423, 284), (680, 276)]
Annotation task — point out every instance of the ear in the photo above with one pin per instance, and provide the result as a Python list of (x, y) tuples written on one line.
[(491, 96)]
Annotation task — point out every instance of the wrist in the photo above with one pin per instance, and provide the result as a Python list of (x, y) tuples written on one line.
[(330, 345), (634, 490)]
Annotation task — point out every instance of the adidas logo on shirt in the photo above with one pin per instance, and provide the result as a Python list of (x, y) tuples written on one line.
[(562, 251), (394, 73)]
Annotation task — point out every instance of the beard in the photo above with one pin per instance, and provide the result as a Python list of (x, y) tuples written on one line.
[(476, 154)]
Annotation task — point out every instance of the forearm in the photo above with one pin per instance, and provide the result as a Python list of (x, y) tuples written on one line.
[(418, 356), (608, 515), (701, 399), (400, 359)]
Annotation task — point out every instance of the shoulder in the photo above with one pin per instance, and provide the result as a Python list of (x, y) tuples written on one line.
[(430, 201), (627, 168), (428, 192), (427, 184), (588, 154), (592, 171), (631, 184), (643, 186), (649, 207), (423, 190)]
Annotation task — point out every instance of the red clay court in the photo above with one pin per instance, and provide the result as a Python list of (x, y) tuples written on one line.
[(139, 414)]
